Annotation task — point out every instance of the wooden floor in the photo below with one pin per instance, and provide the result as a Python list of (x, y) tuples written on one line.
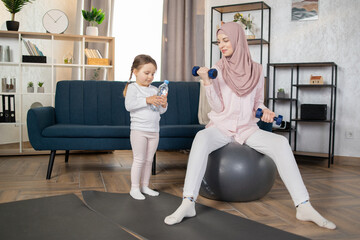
[(335, 191)]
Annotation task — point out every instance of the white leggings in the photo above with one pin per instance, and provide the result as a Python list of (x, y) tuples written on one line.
[(144, 145), (273, 145)]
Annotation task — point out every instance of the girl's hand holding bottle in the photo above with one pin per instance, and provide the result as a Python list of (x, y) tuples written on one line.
[(157, 100)]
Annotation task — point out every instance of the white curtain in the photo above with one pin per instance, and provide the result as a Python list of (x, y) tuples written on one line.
[(183, 39)]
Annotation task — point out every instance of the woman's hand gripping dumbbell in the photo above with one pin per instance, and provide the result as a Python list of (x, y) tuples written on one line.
[(212, 72), (278, 119)]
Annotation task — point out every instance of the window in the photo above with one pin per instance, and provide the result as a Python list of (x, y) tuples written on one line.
[(137, 29)]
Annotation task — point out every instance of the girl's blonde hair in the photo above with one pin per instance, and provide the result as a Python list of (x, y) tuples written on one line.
[(139, 61)]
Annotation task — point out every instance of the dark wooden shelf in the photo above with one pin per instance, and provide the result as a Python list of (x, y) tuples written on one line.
[(283, 99), (256, 41), (262, 40), (283, 130), (241, 7), (314, 85), (305, 64), (296, 88), (301, 120), (312, 154)]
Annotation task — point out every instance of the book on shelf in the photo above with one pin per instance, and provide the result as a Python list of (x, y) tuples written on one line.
[(32, 49), (92, 53), (94, 57)]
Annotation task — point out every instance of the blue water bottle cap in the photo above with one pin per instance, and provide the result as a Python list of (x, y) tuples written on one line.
[(166, 81)]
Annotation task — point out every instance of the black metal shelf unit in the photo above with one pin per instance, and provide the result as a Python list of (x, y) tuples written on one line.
[(294, 102), (262, 41)]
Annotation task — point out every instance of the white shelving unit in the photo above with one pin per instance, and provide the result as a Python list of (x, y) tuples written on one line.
[(14, 138)]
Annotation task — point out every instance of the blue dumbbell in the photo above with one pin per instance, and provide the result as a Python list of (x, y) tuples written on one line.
[(212, 72), (277, 119)]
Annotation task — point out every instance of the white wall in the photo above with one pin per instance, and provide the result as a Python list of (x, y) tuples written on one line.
[(334, 37), (30, 17)]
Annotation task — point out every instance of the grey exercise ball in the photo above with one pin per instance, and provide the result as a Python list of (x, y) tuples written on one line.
[(237, 173)]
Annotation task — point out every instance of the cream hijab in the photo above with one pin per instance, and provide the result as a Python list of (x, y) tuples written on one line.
[(239, 71)]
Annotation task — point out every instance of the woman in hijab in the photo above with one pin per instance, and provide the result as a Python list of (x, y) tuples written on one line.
[(234, 96)]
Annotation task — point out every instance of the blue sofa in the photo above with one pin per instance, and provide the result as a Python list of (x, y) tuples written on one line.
[(91, 115)]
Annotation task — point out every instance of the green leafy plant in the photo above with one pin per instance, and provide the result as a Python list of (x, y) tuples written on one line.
[(96, 74), (281, 90), (15, 6), (247, 21), (94, 16), (30, 84), (40, 84)]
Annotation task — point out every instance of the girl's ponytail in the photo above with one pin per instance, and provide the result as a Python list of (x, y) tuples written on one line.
[(127, 84)]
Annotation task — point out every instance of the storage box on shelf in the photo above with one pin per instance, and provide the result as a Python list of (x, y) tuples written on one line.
[(299, 81), (49, 68)]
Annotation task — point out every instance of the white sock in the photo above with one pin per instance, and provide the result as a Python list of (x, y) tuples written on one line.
[(136, 194), (149, 191), (306, 212), (186, 209)]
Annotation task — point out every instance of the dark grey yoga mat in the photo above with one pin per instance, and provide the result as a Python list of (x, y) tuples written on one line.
[(146, 218), (60, 217)]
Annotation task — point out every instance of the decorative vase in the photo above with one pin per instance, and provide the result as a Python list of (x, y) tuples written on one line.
[(68, 58), (40, 89), (281, 95), (12, 25), (92, 31), (30, 89), (249, 34)]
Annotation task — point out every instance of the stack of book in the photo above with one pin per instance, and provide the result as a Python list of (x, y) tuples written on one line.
[(94, 57), (35, 55)]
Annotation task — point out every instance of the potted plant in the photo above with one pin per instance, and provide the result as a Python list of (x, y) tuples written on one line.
[(14, 6), (248, 24), (40, 88), (94, 16), (30, 87), (281, 93)]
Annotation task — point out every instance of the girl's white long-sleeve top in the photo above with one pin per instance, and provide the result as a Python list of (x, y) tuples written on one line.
[(142, 117)]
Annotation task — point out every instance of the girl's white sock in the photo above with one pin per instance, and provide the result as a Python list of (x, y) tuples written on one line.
[(186, 209), (136, 194), (149, 191), (306, 212)]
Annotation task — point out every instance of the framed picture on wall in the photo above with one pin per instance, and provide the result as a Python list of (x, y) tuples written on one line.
[(302, 10)]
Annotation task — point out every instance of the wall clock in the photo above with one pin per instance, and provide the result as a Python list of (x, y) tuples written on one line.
[(55, 21)]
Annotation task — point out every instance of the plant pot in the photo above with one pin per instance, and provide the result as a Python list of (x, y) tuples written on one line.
[(281, 95), (30, 89), (249, 34), (92, 31), (40, 89), (12, 25)]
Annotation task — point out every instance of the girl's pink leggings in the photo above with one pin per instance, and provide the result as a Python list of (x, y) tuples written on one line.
[(144, 145)]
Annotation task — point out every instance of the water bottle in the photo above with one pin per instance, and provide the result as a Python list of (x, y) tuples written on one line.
[(162, 91)]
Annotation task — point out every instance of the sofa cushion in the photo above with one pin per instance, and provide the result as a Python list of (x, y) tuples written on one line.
[(183, 104), (180, 130), (91, 103), (83, 131)]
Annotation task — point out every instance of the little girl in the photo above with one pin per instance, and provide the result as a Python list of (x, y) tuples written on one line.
[(144, 134)]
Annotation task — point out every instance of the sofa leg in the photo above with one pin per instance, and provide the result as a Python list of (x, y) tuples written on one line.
[(67, 156), (51, 163), (154, 165)]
